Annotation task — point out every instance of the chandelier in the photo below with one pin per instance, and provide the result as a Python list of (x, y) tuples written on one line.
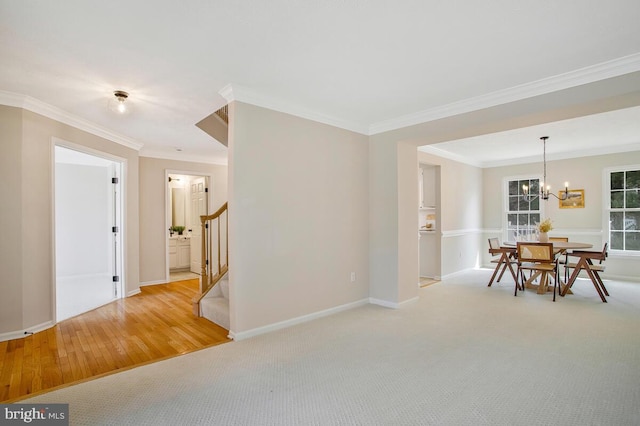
[(545, 191)]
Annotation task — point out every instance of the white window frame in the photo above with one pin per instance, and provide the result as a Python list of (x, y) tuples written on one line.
[(606, 209), (505, 202)]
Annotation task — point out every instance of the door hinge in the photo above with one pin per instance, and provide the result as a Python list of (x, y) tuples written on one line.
[(206, 226), (114, 180), (114, 229), (206, 190), (116, 279), (206, 262)]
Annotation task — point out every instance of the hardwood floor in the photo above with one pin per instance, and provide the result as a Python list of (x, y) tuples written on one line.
[(148, 327)]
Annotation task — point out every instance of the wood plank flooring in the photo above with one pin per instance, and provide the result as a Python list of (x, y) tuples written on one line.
[(153, 325)]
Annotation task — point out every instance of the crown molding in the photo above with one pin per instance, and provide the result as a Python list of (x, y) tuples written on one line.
[(603, 150), (234, 92), (430, 149), (590, 74), (54, 113)]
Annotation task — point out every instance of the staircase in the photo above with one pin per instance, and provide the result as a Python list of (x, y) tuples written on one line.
[(212, 301), (215, 305)]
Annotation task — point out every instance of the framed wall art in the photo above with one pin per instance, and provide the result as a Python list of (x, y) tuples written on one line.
[(575, 199)]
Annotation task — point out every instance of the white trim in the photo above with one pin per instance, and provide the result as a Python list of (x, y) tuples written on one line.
[(455, 274), (233, 92), (392, 305), (145, 283), (623, 255), (606, 210), (295, 321), (209, 183), (578, 153), (54, 113), (558, 231), (433, 150), (590, 74), (134, 292), (461, 232), (27, 332)]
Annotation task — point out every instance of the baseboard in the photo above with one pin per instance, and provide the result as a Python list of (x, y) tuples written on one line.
[(295, 321), (25, 333), (156, 282), (134, 292), (392, 305), (454, 274)]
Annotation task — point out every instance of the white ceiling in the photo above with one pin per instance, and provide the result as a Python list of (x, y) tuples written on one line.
[(361, 64)]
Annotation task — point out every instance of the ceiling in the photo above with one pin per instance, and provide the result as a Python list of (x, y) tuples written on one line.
[(364, 65)]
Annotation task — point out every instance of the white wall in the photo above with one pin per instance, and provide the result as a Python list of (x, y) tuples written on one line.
[(298, 207)]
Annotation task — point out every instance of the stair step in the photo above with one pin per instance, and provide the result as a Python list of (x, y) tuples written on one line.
[(215, 305), (216, 309)]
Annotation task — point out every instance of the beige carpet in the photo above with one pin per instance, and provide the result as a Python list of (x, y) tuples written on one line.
[(464, 354)]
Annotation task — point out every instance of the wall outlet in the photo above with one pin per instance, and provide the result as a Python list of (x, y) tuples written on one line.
[(353, 276)]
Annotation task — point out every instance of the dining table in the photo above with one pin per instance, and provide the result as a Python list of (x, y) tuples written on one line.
[(559, 247)]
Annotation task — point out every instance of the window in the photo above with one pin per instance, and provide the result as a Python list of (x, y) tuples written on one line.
[(522, 214), (624, 210)]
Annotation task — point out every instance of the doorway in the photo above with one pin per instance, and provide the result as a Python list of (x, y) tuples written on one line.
[(88, 231), (430, 233), (188, 198)]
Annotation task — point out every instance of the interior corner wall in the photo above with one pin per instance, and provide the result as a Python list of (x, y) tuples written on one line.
[(298, 217), (384, 215), (11, 216), (408, 243), (33, 249), (153, 190)]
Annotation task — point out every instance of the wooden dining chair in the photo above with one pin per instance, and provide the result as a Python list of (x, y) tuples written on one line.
[(541, 261), (585, 263), (505, 259), (563, 259)]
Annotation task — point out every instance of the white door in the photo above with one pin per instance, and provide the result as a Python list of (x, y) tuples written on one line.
[(199, 206), (87, 232)]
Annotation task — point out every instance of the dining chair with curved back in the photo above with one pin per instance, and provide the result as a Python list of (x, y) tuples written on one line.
[(541, 260)]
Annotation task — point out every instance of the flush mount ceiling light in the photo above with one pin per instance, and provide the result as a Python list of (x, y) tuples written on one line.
[(117, 103)]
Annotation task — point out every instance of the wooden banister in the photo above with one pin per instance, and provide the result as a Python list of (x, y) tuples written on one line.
[(212, 274)]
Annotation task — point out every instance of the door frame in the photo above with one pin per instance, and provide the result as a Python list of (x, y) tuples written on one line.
[(167, 207), (120, 257)]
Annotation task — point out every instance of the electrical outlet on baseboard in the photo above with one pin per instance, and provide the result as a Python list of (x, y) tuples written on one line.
[(353, 277)]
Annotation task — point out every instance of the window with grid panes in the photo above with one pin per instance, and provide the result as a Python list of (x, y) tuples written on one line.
[(624, 210), (522, 215)]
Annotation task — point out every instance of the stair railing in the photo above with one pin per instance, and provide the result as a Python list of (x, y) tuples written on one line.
[(215, 246)]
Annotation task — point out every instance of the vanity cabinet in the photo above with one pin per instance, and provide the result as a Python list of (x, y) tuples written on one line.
[(179, 252)]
